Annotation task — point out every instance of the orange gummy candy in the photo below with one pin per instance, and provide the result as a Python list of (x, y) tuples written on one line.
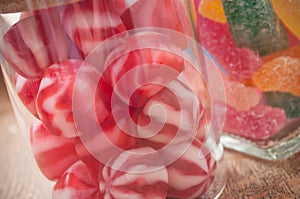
[(289, 12), (293, 51), (280, 74), (212, 9)]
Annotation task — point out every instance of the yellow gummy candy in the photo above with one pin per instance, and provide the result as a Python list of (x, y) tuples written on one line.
[(289, 12), (212, 9)]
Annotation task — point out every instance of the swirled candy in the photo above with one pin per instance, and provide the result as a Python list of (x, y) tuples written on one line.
[(131, 177), (27, 91), (254, 25), (53, 154), (78, 182), (35, 43)]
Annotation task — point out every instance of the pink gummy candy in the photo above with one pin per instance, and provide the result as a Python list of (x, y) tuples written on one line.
[(134, 177), (34, 43), (259, 122), (27, 90), (240, 63), (191, 175), (89, 22), (53, 154), (78, 182)]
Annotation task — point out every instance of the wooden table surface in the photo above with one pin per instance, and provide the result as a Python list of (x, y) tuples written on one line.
[(248, 177)]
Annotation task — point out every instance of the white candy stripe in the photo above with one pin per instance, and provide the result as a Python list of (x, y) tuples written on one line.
[(34, 41), (49, 143), (66, 193)]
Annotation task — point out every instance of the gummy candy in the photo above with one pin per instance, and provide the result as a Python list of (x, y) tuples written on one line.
[(289, 13), (260, 122), (240, 63), (253, 24), (293, 51), (280, 74), (240, 96), (53, 154), (212, 9), (290, 103)]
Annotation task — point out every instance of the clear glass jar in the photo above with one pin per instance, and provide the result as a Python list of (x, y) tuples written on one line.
[(256, 44), (117, 98)]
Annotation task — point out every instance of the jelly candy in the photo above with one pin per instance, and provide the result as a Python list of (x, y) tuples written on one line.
[(289, 13), (240, 96), (35, 43), (89, 22), (27, 91), (290, 103), (212, 9), (253, 24), (191, 175), (240, 63), (293, 51), (134, 177), (78, 182), (53, 154), (280, 74), (260, 122)]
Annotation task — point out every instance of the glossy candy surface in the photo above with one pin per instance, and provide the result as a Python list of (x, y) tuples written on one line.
[(52, 153)]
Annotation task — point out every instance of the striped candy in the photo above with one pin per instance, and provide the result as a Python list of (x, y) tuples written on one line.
[(54, 99), (89, 22), (173, 114), (78, 182), (191, 175), (127, 179), (27, 91), (34, 43), (53, 154)]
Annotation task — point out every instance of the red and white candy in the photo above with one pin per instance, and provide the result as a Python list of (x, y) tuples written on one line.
[(191, 175), (127, 180), (90, 22), (53, 154), (27, 91), (54, 99), (78, 182), (34, 43)]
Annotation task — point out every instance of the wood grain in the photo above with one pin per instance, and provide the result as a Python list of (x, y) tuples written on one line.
[(248, 177), (8, 6)]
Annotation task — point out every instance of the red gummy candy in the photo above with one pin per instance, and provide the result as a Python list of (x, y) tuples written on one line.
[(240, 63), (34, 43), (134, 177), (53, 154), (258, 123), (27, 91), (78, 182), (90, 22), (191, 175)]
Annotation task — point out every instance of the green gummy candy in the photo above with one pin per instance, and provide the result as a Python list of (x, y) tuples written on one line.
[(289, 102), (253, 24)]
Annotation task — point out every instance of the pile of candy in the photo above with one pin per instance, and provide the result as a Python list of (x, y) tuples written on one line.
[(257, 45), (119, 113)]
